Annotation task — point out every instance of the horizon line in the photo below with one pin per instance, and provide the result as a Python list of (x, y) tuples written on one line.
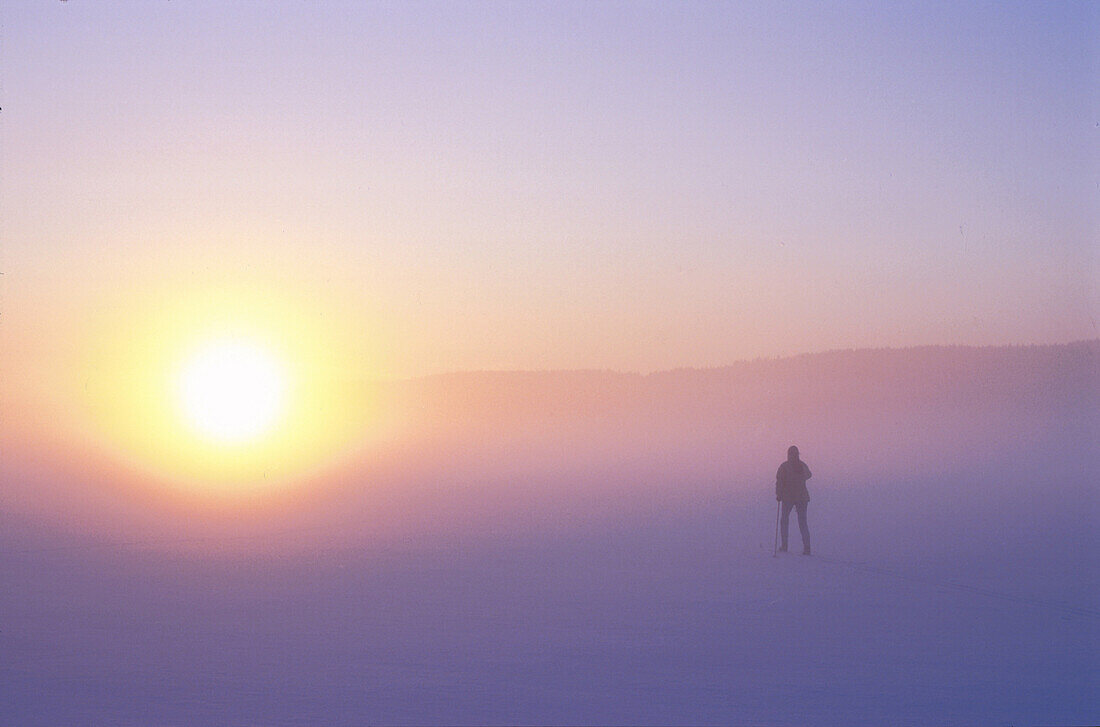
[(738, 362)]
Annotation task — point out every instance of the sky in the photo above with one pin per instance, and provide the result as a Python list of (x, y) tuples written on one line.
[(286, 293), (554, 185), (362, 192)]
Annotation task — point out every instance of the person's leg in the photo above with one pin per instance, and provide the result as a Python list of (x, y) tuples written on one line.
[(803, 527), (784, 523)]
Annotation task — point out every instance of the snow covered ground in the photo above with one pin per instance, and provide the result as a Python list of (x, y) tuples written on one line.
[(680, 616)]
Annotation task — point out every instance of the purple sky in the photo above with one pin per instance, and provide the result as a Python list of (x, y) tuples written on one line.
[(633, 186)]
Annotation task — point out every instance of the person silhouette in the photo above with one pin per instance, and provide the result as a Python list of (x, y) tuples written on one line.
[(790, 489)]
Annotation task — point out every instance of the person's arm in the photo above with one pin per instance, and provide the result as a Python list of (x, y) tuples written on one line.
[(778, 480), (807, 468)]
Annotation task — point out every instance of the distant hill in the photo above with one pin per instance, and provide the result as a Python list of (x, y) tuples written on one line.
[(1016, 378), (861, 413)]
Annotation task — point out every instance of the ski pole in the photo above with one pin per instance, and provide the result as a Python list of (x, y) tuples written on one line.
[(775, 547)]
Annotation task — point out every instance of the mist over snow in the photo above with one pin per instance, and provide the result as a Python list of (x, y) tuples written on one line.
[(596, 547)]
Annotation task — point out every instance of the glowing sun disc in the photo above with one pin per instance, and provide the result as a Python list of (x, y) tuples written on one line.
[(231, 391)]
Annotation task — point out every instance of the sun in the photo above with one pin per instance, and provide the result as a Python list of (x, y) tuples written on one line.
[(227, 391), (231, 391)]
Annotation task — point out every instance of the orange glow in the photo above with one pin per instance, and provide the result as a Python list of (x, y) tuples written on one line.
[(226, 392)]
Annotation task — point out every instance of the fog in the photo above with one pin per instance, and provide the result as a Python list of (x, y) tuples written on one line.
[(596, 547)]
